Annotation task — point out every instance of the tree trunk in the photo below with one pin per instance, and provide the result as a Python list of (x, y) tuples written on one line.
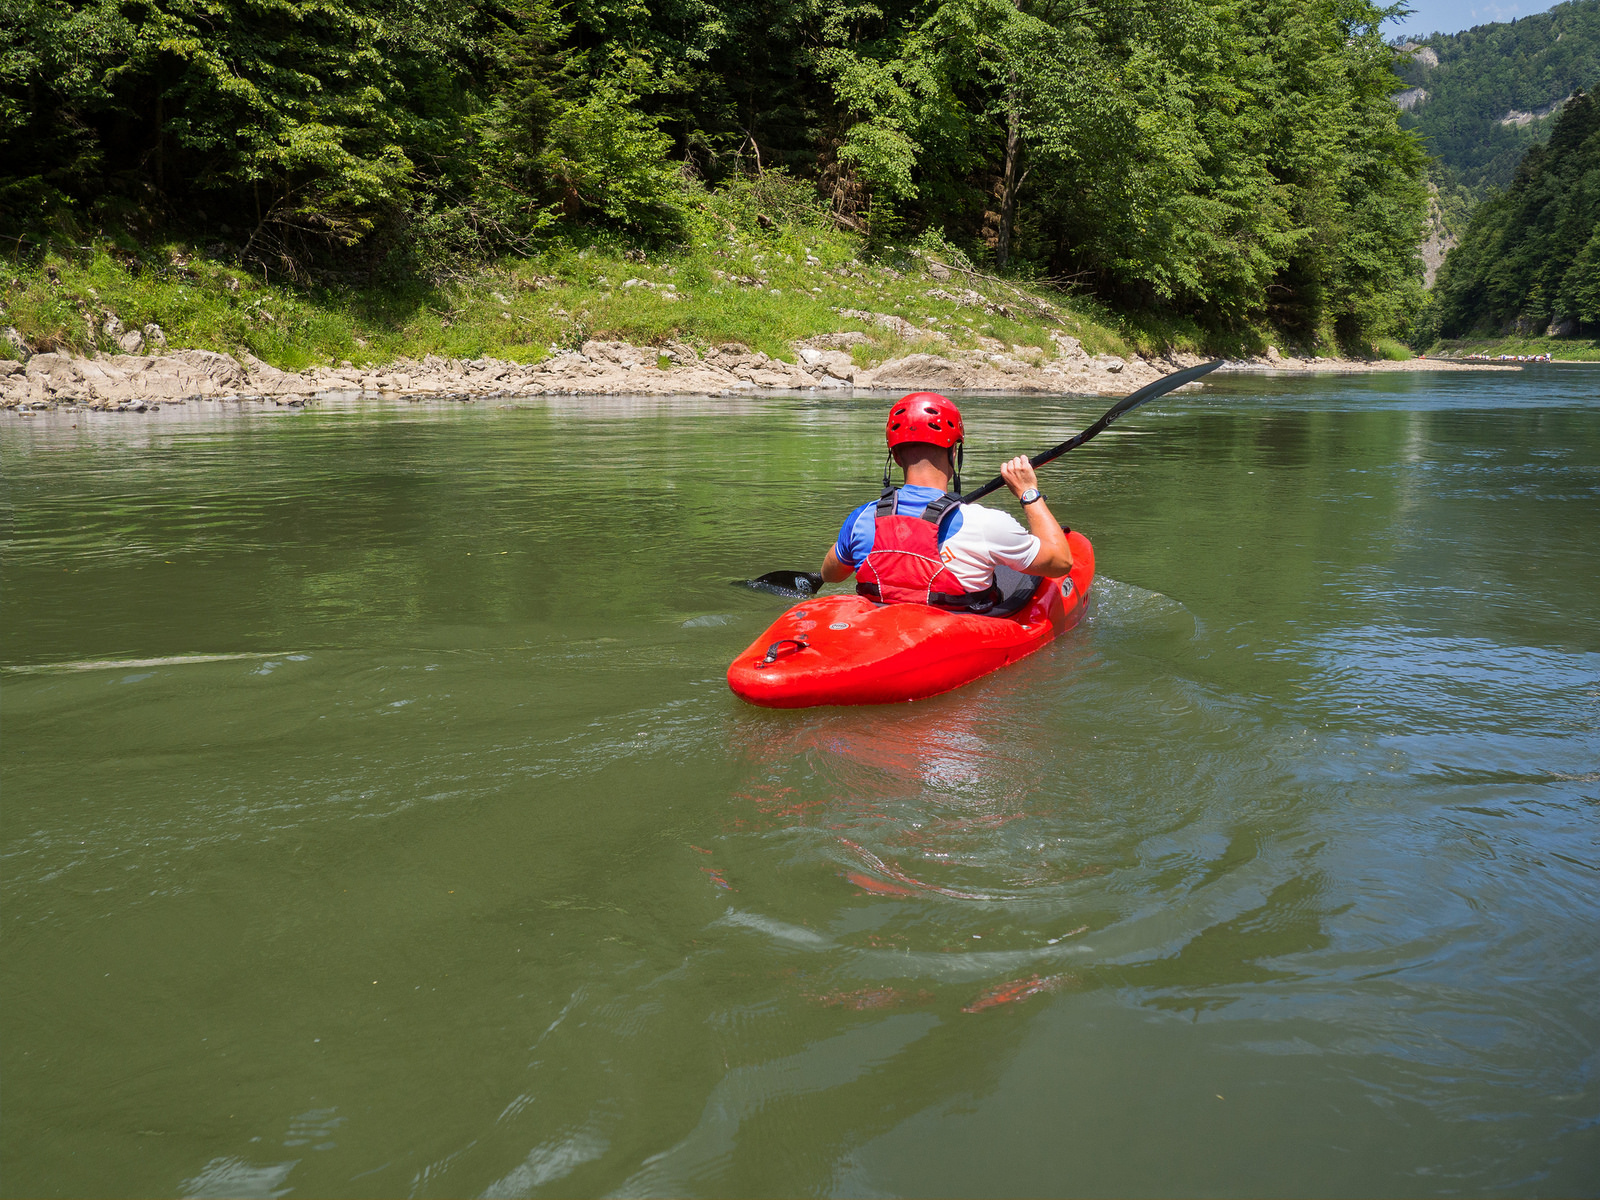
[(161, 146), (1008, 179)]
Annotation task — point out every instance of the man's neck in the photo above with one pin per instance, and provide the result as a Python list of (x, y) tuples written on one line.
[(926, 475)]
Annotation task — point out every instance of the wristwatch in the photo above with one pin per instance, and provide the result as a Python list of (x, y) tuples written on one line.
[(1029, 496)]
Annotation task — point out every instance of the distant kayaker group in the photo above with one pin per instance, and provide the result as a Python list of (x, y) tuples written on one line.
[(1521, 358)]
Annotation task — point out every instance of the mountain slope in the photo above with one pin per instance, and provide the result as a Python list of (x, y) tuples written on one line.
[(1480, 98), (1529, 261)]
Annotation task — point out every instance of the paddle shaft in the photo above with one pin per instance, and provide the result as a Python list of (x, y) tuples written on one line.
[(1149, 392)]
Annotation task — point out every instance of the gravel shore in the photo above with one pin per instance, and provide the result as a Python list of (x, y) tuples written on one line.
[(136, 382)]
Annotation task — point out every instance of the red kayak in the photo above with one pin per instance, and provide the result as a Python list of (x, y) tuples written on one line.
[(848, 650)]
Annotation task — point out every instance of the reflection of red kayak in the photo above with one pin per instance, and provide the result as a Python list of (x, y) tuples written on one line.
[(848, 650)]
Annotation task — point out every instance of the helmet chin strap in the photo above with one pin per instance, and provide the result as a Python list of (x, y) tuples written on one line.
[(887, 459)]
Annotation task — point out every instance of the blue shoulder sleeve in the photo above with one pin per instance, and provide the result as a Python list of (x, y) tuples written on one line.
[(855, 536)]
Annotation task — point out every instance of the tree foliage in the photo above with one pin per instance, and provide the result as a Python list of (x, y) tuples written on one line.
[(1233, 160), (1531, 256)]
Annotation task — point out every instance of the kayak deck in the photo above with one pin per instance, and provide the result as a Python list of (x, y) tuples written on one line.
[(847, 650)]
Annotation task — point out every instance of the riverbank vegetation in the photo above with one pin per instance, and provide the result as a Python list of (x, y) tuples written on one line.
[(1528, 265), (1198, 169), (744, 283)]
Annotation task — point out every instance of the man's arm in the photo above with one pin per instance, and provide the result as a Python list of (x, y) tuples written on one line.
[(1055, 555), (834, 571)]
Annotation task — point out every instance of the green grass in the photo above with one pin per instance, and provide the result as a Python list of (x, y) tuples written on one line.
[(1392, 351), (1568, 349), (520, 309)]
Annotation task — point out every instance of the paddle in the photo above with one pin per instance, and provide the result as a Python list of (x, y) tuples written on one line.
[(808, 583), (784, 583), (1127, 404)]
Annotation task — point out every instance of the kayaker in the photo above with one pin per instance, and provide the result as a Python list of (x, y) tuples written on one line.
[(918, 544)]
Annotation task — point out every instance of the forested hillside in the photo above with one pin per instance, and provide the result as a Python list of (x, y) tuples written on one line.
[(1230, 161), (1480, 98), (1529, 261)]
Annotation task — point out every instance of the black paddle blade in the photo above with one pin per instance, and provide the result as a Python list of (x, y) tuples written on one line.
[(784, 583)]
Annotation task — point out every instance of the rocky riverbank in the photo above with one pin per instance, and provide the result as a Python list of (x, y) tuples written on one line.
[(137, 382)]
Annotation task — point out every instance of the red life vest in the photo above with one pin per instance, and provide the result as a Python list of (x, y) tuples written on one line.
[(904, 567)]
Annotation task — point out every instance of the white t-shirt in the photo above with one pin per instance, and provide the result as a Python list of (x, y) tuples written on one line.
[(976, 538)]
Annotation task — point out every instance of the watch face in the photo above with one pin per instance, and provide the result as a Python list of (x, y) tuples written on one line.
[(1029, 496)]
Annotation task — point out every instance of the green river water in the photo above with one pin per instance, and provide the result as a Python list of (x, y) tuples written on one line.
[(377, 821)]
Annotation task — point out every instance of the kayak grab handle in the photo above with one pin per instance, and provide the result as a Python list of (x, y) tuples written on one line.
[(799, 643)]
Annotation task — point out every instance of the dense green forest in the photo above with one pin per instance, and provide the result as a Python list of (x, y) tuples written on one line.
[(1480, 98), (1232, 162), (1529, 261)]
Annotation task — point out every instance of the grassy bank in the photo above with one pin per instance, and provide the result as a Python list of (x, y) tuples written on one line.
[(763, 287), (1562, 349)]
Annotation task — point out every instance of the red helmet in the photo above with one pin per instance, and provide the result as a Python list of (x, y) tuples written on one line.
[(924, 417)]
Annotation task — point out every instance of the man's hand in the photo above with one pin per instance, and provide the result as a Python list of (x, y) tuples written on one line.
[(1019, 475), (1055, 555)]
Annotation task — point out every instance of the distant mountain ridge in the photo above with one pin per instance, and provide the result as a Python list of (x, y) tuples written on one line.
[(1480, 98)]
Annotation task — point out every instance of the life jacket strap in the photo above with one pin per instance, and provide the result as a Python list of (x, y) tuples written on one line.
[(889, 503), (938, 509)]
